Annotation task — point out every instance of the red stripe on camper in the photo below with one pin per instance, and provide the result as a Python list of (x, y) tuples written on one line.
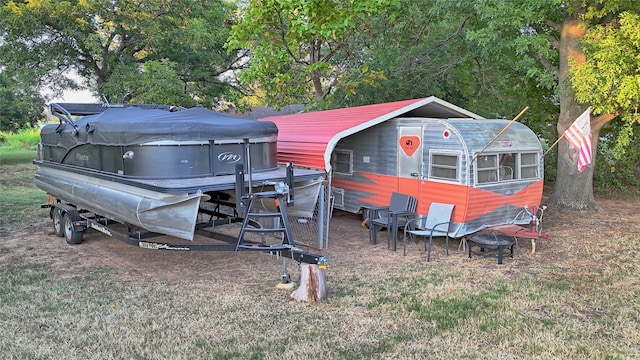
[(482, 202), (380, 187), (470, 203)]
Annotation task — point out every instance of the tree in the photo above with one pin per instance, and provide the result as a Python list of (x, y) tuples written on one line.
[(98, 37), (489, 56), (548, 38), (157, 83), (423, 53), (299, 48), (610, 77), (19, 104)]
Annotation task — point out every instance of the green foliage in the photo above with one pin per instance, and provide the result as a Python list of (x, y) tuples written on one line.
[(610, 78), (614, 170), (299, 49), (158, 83), (514, 34), (9, 155), (430, 51), (493, 57), (18, 148), (20, 104), (19, 197), (43, 40), (27, 139)]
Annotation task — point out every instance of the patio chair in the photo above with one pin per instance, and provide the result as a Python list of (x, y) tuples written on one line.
[(401, 208), (435, 223)]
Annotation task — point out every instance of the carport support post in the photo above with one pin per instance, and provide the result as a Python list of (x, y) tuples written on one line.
[(321, 215)]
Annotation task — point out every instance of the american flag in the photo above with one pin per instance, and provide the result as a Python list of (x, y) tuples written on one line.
[(579, 136)]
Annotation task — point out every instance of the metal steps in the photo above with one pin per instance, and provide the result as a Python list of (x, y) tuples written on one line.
[(251, 216)]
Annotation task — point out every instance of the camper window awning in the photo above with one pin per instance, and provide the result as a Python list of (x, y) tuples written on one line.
[(308, 139)]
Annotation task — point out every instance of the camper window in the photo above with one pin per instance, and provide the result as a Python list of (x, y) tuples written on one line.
[(487, 169), (342, 161), (529, 166), (493, 168), (444, 166)]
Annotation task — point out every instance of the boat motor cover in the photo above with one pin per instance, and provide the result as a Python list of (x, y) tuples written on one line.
[(132, 125)]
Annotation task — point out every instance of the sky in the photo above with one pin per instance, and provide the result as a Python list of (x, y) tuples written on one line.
[(76, 97), (71, 96)]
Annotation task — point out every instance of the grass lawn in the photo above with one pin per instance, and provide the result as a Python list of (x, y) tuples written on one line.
[(577, 298), (18, 194), (9, 155)]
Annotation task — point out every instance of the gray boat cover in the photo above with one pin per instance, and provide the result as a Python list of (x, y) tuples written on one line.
[(133, 125)]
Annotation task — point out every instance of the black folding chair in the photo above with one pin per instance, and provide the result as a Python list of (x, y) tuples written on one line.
[(401, 208)]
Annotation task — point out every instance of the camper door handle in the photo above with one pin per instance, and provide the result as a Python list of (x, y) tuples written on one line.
[(414, 174)]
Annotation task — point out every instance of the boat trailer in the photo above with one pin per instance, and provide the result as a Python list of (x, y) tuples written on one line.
[(70, 222)]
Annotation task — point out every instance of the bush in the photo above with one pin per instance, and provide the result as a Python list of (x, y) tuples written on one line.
[(25, 139), (617, 171)]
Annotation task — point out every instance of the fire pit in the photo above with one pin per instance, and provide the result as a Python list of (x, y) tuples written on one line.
[(491, 241)]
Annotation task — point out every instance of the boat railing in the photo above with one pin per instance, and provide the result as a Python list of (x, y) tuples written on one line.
[(65, 111), (65, 116)]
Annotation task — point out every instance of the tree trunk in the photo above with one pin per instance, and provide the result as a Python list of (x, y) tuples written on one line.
[(313, 285), (316, 75), (573, 189)]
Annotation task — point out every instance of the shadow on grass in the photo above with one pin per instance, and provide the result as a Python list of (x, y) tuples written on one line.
[(11, 156)]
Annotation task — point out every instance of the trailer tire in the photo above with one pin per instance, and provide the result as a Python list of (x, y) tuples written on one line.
[(58, 222), (73, 237)]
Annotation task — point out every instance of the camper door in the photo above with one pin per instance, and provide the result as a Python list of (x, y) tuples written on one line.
[(410, 159)]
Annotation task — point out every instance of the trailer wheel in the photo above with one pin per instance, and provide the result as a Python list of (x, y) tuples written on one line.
[(58, 226), (72, 237)]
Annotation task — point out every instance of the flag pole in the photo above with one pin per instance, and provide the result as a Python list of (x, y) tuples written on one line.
[(552, 145), (500, 133)]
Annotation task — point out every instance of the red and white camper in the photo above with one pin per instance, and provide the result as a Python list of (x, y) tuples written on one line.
[(427, 148)]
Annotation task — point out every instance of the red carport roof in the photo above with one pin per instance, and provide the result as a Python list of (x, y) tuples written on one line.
[(307, 139)]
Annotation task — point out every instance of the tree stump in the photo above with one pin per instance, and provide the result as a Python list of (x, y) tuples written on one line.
[(313, 285)]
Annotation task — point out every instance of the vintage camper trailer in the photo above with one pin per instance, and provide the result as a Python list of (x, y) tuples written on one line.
[(427, 148)]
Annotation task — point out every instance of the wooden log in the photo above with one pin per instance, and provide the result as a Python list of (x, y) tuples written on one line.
[(313, 285)]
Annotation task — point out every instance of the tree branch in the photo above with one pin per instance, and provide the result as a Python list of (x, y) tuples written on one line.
[(545, 63), (599, 121), (555, 26), (284, 41), (481, 76), (540, 30), (332, 52)]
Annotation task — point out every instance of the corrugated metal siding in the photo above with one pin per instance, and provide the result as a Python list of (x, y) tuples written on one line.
[(316, 132), (366, 188), (304, 137), (379, 144), (372, 182), (486, 208), (478, 133)]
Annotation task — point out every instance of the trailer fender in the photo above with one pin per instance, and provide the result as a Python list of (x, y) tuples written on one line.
[(78, 224)]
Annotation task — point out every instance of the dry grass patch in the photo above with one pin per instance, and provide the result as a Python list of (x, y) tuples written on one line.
[(575, 298), (400, 311)]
